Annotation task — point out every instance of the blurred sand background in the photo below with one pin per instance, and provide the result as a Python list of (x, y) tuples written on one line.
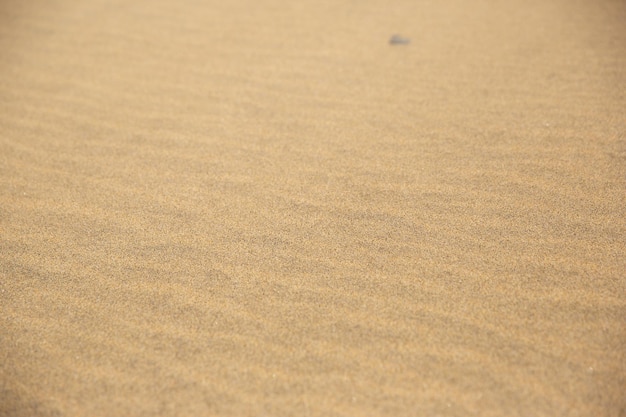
[(261, 208)]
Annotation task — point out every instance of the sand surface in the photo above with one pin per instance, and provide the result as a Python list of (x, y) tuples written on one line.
[(262, 208)]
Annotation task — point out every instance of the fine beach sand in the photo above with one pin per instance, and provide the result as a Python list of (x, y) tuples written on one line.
[(262, 208)]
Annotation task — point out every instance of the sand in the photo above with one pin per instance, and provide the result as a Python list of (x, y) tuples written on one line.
[(264, 208)]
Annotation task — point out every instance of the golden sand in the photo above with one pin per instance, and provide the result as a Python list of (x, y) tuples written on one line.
[(264, 208)]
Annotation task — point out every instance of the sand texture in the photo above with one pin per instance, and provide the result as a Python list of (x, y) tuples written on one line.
[(268, 208)]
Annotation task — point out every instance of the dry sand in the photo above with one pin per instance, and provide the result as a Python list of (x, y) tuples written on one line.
[(248, 208)]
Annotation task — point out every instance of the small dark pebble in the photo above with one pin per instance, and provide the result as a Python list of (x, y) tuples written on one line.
[(399, 40)]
